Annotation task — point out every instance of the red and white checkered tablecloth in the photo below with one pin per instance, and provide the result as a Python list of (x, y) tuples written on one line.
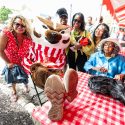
[(87, 109)]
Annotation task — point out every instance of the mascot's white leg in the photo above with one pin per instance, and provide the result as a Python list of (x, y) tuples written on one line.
[(57, 90)]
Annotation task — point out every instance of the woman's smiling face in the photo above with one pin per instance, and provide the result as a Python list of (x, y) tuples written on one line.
[(99, 31), (18, 26)]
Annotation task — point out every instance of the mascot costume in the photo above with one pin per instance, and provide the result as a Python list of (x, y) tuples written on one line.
[(46, 61)]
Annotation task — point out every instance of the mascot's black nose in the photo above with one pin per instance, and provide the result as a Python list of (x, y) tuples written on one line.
[(53, 34), (53, 37)]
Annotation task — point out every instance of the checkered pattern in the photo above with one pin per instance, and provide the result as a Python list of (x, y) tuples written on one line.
[(87, 109)]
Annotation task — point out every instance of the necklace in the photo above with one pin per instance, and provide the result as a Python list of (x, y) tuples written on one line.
[(76, 33)]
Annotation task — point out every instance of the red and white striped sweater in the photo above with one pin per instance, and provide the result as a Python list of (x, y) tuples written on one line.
[(51, 57)]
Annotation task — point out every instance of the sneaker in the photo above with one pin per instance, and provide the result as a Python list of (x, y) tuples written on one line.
[(70, 82), (55, 91)]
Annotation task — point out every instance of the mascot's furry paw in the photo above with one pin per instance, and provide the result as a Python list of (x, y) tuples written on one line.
[(39, 74)]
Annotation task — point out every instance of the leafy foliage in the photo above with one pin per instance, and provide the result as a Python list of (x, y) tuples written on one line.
[(4, 12)]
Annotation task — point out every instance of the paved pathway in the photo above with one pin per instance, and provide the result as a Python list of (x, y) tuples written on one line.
[(26, 102), (13, 113)]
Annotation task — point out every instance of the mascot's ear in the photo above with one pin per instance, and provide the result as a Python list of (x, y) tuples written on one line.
[(49, 23), (36, 34), (60, 27)]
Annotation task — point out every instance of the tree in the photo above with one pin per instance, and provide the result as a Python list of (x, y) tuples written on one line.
[(4, 12)]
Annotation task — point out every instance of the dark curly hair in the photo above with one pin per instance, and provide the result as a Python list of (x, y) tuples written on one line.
[(82, 27), (62, 12), (105, 33)]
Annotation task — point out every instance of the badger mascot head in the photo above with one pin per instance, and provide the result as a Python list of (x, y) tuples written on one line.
[(48, 33)]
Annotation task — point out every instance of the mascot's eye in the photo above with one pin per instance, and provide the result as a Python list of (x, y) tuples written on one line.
[(45, 27), (62, 32)]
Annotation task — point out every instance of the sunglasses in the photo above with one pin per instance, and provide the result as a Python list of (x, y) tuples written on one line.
[(78, 21), (109, 45), (19, 25)]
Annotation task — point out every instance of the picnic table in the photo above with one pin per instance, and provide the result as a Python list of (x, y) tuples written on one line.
[(87, 108)]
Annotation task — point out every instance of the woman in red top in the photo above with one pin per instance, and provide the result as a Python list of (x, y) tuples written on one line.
[(15, 41)]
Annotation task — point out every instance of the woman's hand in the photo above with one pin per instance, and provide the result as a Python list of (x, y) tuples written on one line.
[(119, 77), (100, 69), (10, 65), (78, 46), (73, 48)]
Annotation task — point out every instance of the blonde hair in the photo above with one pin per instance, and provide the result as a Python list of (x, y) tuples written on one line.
[(25, 23)]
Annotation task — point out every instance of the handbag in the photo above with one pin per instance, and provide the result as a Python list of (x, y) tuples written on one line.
[(107, 86)]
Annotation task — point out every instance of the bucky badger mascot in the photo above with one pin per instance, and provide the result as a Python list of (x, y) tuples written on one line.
[(46, 60)]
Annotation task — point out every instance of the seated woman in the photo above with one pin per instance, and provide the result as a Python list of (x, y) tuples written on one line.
[(107, 61)]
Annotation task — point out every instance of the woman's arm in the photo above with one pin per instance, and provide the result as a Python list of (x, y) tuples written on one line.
[(120, 77), (91, 64), (121, 66), (3, 43)]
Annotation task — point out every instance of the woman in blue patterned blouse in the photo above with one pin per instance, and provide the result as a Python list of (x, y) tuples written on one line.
[(107, 61)]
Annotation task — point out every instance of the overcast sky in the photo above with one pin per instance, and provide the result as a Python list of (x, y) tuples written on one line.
[(49, 7)]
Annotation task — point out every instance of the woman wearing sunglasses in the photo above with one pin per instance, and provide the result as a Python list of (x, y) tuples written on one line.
[(15, 41), (81, 44)]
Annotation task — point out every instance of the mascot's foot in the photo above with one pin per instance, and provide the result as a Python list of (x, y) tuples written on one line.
[(55, 91), (70, 83)]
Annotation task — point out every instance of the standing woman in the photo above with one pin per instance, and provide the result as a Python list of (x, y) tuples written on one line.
[(15, 41), (81, 44), (100, 32)]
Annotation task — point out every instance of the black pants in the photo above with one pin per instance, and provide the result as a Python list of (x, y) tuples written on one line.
[(79, 62)]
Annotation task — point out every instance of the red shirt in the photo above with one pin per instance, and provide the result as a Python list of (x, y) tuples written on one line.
[(14, 53)]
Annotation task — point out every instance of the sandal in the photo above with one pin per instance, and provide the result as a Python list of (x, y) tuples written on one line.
[(14, 97), (70, 83), (27, 90), (55, 91)]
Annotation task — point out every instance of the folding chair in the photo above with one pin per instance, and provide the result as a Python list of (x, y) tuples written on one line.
[(37, 93)]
